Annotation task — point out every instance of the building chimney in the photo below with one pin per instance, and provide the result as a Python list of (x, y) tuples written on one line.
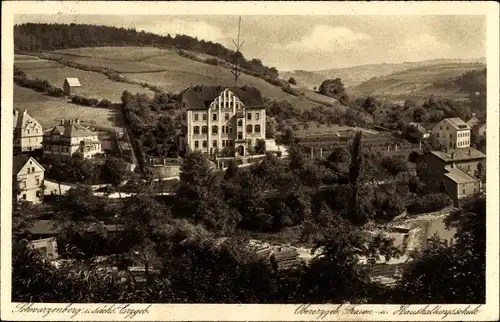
[(77, 121), (62, 122), (25, 111)]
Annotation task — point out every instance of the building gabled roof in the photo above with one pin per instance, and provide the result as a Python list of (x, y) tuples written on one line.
[(73, 81), (458, 176), (18, 162), (473, 121), (457, 123), (200, 97), (22, 119), (459, 154), (72, 130)]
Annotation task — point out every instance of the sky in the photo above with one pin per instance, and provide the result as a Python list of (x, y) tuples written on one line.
[(316, 42)]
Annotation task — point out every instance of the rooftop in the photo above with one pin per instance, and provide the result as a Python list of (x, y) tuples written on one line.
[(22, 119), (73, 81), (199, 97), (459, 154), (71, 129), (18, 162), (457, 123), (459, 176)]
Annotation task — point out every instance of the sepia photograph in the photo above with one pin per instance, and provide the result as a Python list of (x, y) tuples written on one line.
[(227, 158)]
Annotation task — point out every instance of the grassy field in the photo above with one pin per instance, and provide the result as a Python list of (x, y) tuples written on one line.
[(418, 82), (171, 72), (93, 84), (49, 110)]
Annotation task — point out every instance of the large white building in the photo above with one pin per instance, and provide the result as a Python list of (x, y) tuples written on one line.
[(28, 132), (222, 120), (69, 138), (451, 133)]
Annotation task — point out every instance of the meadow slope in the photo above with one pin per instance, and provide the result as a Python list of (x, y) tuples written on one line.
[(171, 72), (418, 83)]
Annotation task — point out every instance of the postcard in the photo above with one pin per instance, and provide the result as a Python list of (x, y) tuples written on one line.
[(250, 161)]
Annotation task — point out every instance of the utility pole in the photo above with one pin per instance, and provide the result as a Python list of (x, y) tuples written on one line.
[(236, 72)]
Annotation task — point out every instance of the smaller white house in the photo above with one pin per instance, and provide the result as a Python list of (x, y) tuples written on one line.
[(451, 133), (29, 174), (47, 246), (71, 86)]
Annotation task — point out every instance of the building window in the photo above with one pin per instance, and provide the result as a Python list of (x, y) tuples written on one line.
[(204, 144), (475, 190), (196, 130), (29, 170), (249, 116), (214, 143), (215, 129), (451, 135), (24, 184), (437, 134), (24, 196), (463, 191), (230, 142), (28, 131), (226, 116), (196, 144), (214, 117), (223, 129), (240, 135), (249, 128), (223, 143), (240, 122), (37, 181), (204, 129), (204, 116), (257, 128), (257, 116)]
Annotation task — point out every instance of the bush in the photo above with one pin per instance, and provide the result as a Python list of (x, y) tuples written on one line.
[(55, 91), (429, 203), (288, 89), (212, 61), (292, 81), (93, 101), (105, 103)]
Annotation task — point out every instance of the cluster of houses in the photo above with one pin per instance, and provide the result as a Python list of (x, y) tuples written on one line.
[(62, 142), (460, 167)]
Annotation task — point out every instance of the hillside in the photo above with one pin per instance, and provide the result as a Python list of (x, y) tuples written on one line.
[(355, 75), (419, 83)]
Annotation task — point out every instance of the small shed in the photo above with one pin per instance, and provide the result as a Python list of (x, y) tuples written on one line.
[(71, 85)]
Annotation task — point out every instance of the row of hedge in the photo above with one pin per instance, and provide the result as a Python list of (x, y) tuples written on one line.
[(40, 85), (84, 101)]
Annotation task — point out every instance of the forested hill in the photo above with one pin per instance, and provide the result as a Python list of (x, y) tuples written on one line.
[(34, 37)]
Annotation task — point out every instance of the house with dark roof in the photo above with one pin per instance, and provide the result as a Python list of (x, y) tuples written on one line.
[(451, 133), (28, 132), (71, 86), (457, 170), (29, 174), (219, 120), (70, 137)]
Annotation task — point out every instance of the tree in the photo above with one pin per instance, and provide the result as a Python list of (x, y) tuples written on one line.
[(114, 171), (332, 87), (232, 170), (260, 148), (394, 165), (355, 169), (199, 195), (292, 81), (450, 273)]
